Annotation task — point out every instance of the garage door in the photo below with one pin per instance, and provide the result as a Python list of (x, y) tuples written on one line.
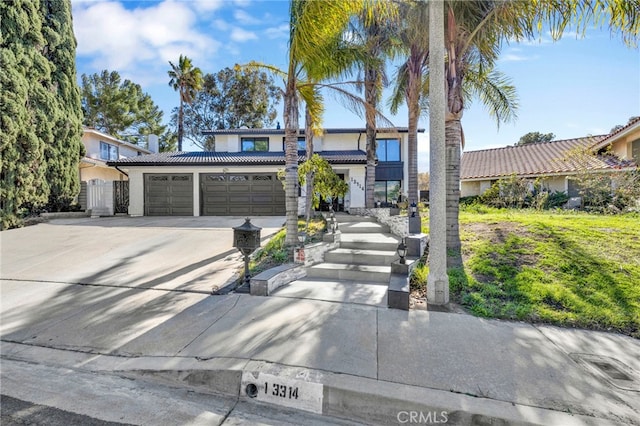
[(168, 194), (255, 194)]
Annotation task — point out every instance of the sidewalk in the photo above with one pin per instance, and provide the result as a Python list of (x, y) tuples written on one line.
[(364, 363)]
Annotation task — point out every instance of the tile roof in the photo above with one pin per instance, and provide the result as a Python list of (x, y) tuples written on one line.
[(630, 126), (542, 158), (301, 131), (233, 158)]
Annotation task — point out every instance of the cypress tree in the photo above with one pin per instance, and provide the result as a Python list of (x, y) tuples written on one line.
[(64, 150), (22, 70), (40, 114)]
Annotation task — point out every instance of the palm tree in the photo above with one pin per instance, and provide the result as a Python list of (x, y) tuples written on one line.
[(474, 31), (186, 80), (375, 33), (316, 52), (409, 82)]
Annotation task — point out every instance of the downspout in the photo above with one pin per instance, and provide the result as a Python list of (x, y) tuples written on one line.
[(121, 171)]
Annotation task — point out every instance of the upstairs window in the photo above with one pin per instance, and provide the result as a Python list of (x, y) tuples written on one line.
[(108, 152), (255, 144), (388, 149), (302, 144)]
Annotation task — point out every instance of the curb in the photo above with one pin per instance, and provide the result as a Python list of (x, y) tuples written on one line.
[(330, 394)]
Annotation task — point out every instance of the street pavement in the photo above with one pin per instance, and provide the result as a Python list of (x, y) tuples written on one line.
[(131, 297)]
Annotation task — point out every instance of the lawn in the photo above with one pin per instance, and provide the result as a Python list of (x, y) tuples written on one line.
[(565, 268)]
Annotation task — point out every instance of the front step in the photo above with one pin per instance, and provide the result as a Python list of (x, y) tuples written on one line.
[(360, 257), (340, 271), (362, 228), (384, 242), (344, 218)]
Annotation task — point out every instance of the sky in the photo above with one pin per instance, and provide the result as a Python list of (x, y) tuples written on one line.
[(573, 87)]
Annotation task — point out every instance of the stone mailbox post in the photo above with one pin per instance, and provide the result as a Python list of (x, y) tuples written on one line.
[(246, 238)]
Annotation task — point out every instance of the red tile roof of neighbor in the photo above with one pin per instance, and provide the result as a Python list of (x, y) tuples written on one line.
[(542, 158)]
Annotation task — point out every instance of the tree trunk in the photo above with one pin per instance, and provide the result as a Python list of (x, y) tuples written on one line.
[(371, 98), (180, 124), (291, 159), (308, 131), (413, 105), (453, 141)]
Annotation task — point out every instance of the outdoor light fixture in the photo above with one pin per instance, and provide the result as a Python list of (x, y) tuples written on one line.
[(334, 225), (414, 209), (394, 203), (402, 251), (301, 237), (246, 238), (378, 204)]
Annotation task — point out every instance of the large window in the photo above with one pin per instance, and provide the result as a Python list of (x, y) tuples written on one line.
[(388, 149), (302, 144), (386, 191), (255, 144), (108, 152)]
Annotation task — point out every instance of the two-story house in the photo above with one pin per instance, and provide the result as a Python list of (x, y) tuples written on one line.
[(240, 176), (97, 179)]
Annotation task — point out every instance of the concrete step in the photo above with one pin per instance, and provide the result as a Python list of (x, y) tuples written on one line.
[(361, 257), (363, 228), (341, 271), (343, 291), (343, 217), (384, 242)]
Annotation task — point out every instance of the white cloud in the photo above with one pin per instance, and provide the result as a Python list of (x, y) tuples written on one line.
[(140, 40), (244, 18), (281, 31), (514, 57), (240, 35)]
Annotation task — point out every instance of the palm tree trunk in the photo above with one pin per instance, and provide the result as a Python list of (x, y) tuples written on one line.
[(180, 124), (413, 103), (308, 131), (371, 98), (291, 159), (453, 141)]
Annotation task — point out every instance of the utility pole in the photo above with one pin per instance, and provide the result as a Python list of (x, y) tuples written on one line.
[(438, 280)]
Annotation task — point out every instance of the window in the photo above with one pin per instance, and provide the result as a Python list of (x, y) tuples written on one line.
[(386, 191), (302, 144), (635, 151), (388, 149), (108, 152), (255, 144)]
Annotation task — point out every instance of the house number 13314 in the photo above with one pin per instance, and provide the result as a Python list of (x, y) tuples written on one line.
[(282, 391)]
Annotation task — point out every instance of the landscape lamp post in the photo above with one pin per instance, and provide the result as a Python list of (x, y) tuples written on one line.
[(246, 238), (402, 252)]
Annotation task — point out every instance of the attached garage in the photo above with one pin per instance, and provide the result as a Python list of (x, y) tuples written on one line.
[(255, 194), (223, 183), (168, 194)]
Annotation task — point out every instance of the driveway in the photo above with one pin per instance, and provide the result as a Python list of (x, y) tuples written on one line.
[(192, 254)]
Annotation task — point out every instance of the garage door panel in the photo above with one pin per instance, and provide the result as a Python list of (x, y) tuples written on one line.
[(241, 194), (168, 194)]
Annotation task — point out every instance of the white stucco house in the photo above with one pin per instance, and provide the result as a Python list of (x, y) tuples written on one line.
[(100, 188), (239, 177)]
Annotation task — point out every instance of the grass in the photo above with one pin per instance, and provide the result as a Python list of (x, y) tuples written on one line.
[(564, 268), (275, 253)]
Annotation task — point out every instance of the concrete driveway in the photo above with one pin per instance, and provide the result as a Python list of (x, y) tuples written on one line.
[(192, 254)]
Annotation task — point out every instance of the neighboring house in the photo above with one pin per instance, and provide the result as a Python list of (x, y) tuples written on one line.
[(240, 177), (557, 162), (97, 187)]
